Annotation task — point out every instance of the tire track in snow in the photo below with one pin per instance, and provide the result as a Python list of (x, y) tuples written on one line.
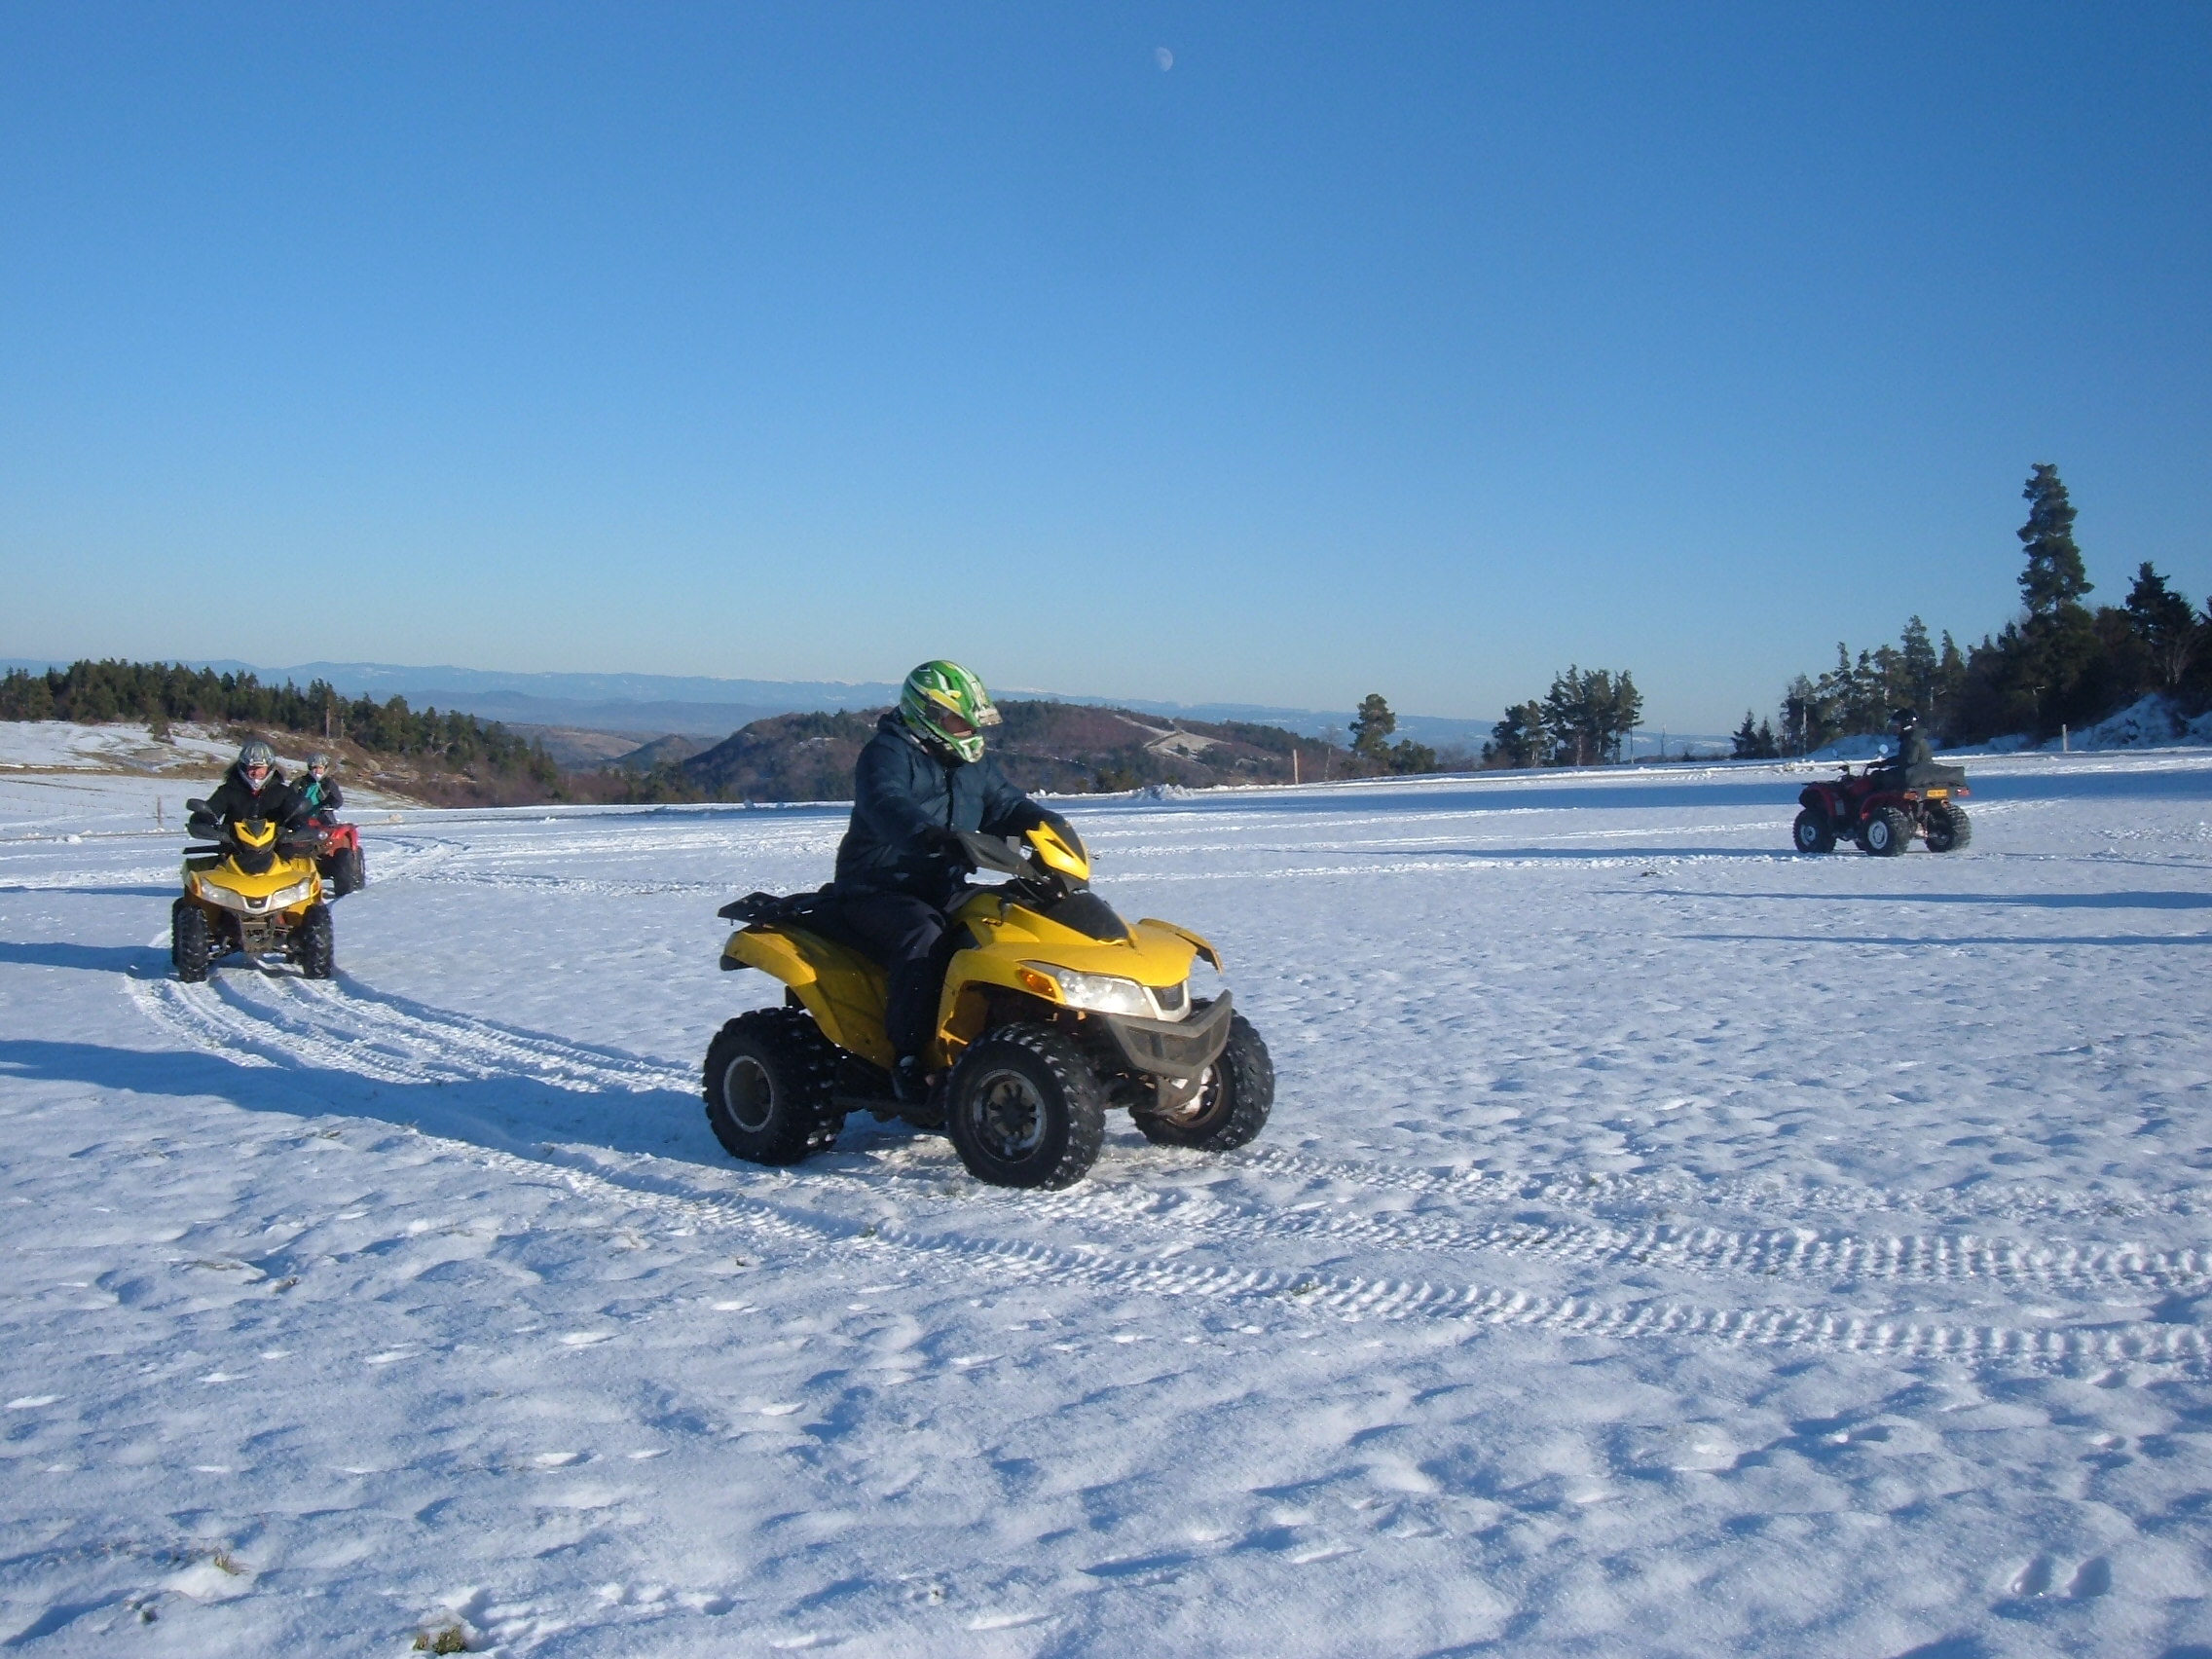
[(521, 881), (338, 1025), (348, 1025), (1793, 1253), (1353, 1300), (344, 1026), (1589, 1189)]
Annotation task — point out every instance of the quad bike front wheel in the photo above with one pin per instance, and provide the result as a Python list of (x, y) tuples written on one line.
[(346, 873), (1888, 832), (767, 1086), (315, 943), (1813, 833), (190, 945), (1231, 1105), (1948, 829), (1024, 1109)]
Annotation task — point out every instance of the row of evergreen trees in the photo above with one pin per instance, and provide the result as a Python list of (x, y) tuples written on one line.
[(160, 693), (1583, 721), (2057, 663)]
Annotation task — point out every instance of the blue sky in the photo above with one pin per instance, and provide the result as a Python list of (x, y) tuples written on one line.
[(1419, 348)]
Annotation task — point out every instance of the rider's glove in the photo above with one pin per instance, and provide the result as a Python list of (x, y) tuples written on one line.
[(942, 843)]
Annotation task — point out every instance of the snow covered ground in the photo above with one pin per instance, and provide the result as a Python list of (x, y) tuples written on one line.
[(1662, 1245), (57, 777)]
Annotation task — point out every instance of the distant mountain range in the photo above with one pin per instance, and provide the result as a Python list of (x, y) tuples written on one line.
[(649, 705)]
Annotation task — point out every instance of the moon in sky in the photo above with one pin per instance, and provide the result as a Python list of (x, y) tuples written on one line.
[(1164, 57)]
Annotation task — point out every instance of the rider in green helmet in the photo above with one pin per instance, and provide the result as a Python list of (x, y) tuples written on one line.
[(946, 708), (922, 779)]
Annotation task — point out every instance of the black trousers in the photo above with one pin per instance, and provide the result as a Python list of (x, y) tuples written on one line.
[(911, 938)]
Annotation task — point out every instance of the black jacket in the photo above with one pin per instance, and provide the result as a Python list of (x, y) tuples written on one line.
[(899, 792), (233, 801)]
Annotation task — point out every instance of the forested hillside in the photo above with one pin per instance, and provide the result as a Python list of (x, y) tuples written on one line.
[(445, 758), (1064, 747), (2058, 662)]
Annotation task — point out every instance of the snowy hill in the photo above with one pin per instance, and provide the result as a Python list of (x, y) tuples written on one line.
[(701, 706), (1663, 1245)]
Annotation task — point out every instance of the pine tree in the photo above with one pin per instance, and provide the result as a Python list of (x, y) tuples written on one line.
[(1950, 683), (1520, 739), (1372, 727), (1804, 721), (2163, 620), (2055, 576), (1588, 716), (1918, 665), (1407, 755), (1747, 738)]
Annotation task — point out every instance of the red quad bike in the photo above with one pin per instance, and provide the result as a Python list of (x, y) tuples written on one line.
[(338, 856), (1883, 808)]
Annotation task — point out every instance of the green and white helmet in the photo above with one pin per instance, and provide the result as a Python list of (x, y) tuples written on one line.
[(946, 707)]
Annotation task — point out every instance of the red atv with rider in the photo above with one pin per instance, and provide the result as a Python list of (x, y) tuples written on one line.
[(1883, 807), (338, 855), (337, 846)]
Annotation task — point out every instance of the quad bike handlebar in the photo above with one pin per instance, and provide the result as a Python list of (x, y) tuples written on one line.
[(1000, 855), (290, 840)]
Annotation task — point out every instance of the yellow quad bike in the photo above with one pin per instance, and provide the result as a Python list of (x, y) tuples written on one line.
[(254, 889), (1054, 1010)]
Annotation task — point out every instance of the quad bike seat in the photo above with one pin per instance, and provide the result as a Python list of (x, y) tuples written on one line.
[(816, 912)]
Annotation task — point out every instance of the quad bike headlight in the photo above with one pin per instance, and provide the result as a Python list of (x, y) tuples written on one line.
[(283, 898), (1109, 993)]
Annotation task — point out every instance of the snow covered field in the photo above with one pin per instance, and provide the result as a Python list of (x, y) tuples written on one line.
[(1662, 1245)]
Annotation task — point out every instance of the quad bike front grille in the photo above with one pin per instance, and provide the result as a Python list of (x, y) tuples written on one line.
[(1172, 1048)]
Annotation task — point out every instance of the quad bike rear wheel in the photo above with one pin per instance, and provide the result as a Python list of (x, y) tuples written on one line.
[(1813, 833), (1948, 829), (1888, 832), (190, 945), (315, 943), (768, 1077), (1231, 1106), (1024, 1109)]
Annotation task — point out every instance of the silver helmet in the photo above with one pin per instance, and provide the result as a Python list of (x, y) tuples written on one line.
[(256, 757)]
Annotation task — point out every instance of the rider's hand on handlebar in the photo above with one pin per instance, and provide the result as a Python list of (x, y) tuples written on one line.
[(942, 843)]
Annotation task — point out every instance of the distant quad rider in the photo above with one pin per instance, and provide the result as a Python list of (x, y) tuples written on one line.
[(921, 779), (1912, 747), (320, 799), (255, 788)]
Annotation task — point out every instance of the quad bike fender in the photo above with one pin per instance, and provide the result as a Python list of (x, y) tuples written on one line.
[(773, 953), (1197, 942), (840, 987), (976, 980), (1815, 798)]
